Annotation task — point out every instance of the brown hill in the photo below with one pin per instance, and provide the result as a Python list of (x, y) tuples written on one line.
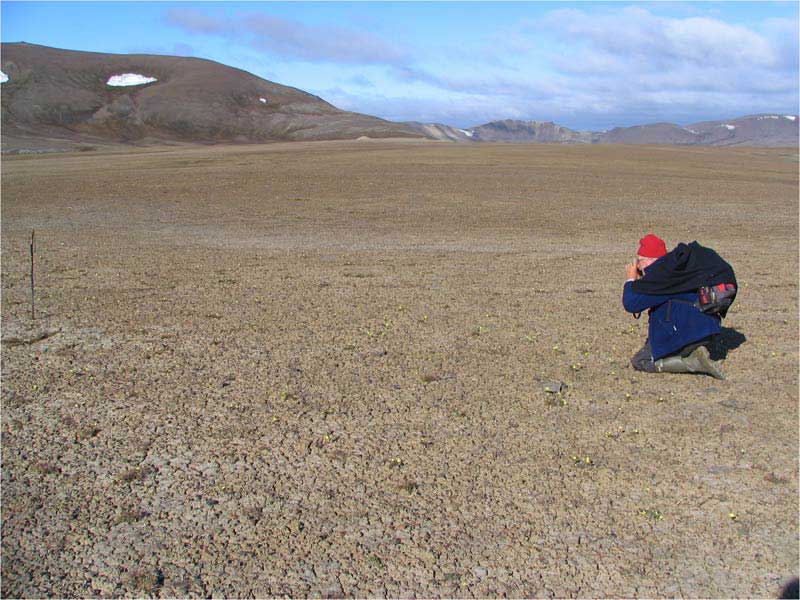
[(752, 130), (658, 133), (527, 131), (442, 133), (755, 130), (64, 94)]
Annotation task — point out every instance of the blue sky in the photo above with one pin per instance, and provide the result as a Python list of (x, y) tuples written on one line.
[(586, 65)]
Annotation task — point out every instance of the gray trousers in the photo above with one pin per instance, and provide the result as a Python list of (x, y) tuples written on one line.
[(643, 359)]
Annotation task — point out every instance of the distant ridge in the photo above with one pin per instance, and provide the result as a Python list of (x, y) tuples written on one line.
[(753, 130), (58, 99), (437, 131), (528, 131)]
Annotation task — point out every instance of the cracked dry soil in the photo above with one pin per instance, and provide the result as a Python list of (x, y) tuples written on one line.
[(319, 370)]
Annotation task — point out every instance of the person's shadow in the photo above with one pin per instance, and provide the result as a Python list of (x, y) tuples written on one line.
[(728, 340)]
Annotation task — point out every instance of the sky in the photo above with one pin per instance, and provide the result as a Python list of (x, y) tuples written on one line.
[(584, 65)]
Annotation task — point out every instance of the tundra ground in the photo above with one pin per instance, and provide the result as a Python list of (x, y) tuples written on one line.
[(320, 370)]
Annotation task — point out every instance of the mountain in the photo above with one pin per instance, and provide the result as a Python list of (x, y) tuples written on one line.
[(527, 131), (59, 99), (665, 134), (753, 130), (65, 94), (437, 131)]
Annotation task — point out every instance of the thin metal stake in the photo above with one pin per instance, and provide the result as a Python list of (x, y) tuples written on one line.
[(33, 294)]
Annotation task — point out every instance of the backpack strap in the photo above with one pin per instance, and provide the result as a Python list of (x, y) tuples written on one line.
[(669, 306)]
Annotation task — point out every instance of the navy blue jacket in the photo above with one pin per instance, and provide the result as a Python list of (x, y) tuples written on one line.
[(673, 325)]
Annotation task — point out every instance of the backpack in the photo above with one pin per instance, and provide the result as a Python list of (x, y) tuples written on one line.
[(716, 299)]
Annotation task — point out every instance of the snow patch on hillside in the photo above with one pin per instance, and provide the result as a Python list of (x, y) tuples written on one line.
[(126, 79), (730, 127), (262, 100), (762, 117), (466, 133), (3, 77), (790, 117)]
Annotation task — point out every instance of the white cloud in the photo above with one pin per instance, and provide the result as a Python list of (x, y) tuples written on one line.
[(590, 68), (291, 39), (582, 109), (629, 61), (636, 36), (709, 42), (617, 61), (463, 111)]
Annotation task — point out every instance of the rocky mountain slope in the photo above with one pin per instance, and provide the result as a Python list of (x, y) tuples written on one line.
[(54, 99), (66, 94), (753, 130), (437, 131), (657, 133), (527, 131)]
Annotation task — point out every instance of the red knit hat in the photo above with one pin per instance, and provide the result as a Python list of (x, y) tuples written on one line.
[(652, 246)]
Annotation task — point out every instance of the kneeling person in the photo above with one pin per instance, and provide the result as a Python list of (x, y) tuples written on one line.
[(678, 331)]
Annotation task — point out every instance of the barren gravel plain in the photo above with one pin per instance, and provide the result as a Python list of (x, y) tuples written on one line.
[(319, 369)]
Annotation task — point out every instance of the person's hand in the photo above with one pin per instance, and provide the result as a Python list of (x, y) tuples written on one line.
[(632, 271)]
